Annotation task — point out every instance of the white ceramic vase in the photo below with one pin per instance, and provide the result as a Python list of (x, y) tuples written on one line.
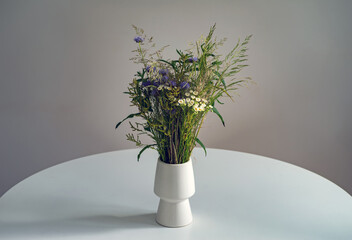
[(174, 184)]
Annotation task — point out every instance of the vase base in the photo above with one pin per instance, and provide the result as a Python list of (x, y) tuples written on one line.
[(174, 214)]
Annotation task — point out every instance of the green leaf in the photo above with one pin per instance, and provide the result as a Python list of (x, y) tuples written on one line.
[(147, 128), (217, 113), (219, 101), (210, 55), (172, 64), (179, 53), (129, 116), (202, 145), (235, 83), (217, 62), (223, 82), (201, 47), (143, 149), (220, 77), (162, 60)]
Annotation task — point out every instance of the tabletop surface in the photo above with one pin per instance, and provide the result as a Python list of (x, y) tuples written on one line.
[(238, 196)]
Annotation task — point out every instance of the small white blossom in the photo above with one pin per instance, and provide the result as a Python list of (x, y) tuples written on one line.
[(168, 88), (190, 103), (198, 109), (193, 97), (195, 92), (197, 99), (204, 100), (160, 87), (181, 101), (188, 100), (203, 105), (187, 94)]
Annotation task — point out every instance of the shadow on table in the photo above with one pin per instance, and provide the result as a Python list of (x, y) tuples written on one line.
[(78, 225)]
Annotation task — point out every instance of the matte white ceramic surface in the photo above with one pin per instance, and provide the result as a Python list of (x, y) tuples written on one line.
[(239, 196), (174, 184)]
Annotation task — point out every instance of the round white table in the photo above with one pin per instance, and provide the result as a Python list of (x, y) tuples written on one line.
[(238, 196)]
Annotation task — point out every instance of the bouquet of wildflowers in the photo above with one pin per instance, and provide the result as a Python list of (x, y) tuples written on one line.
[(174, 96)]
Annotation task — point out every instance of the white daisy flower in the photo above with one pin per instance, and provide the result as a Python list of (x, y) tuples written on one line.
[(187, 94), (193, 97), (198, 99), (195, 92), (181, 101), (188, 100), (160, 87)]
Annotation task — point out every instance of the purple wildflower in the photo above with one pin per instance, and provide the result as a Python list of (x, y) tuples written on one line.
[(163, 72), (146, 83), (154, 92), (138, 39), (173, 83), (184, 85), (192, 59), (147, 68), (156, 83), (164, 78)]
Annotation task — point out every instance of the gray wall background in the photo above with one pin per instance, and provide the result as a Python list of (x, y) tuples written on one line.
[(64, 65)]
